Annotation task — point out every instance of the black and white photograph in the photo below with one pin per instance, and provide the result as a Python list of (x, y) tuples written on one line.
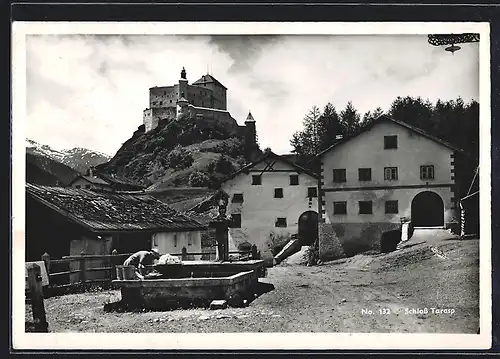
[(318, 185)]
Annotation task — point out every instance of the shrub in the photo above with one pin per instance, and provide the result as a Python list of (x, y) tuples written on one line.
[(224, 165), (313, 255), (199, 179), (179, 158)]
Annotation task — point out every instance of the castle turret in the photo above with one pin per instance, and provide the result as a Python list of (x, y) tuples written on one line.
[(183, 85), (250, 132), (182, 107)]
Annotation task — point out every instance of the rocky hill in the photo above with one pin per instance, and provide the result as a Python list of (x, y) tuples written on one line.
[(79, 159), (187, 152)]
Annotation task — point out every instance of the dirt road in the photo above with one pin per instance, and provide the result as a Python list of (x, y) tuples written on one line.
[(377, 293)]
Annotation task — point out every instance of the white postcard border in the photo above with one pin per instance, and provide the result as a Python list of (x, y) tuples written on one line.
[(100, 341)]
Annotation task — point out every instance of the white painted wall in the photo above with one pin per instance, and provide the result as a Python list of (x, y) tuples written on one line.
[(367, 151), (173, 242), (378, 197), (260, 209)]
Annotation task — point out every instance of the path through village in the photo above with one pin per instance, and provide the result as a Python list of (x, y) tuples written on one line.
[(365, 293)]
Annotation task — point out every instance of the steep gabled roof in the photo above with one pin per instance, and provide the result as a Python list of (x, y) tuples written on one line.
[(103, 212), (205, 79), (401, 123), (267, 155), (91, 179)]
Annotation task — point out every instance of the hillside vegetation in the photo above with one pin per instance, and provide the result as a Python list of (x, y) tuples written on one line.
[(185, 152)]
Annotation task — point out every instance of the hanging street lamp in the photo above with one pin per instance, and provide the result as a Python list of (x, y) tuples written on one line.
[(452, 40)]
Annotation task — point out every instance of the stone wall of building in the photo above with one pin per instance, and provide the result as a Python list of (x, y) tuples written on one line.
[(165, 96)]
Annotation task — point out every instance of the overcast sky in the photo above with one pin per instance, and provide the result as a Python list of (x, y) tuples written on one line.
[(90, 91)]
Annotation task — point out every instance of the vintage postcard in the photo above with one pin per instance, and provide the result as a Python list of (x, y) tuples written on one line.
[(251, 186)]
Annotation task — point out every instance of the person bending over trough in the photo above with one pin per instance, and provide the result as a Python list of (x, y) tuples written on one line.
[(142, 259)]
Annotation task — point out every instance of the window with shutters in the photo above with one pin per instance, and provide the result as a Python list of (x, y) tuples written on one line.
[(312, 192), (390, 173), (426, 172)]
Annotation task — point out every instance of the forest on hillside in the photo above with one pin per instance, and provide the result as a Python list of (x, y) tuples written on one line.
[(453, 121)]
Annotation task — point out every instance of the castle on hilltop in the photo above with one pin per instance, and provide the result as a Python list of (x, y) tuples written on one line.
[(206, 98)]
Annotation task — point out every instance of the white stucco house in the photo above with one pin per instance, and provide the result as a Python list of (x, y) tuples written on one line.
[(270, 200), (372, 182)]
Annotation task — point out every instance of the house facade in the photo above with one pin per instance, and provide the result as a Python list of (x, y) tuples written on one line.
[(371, 183), (270, 200), (67, 221)]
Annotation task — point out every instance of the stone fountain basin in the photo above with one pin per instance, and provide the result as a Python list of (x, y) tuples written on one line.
[(192, 284)]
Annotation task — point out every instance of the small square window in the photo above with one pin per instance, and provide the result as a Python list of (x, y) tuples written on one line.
[(294, 180), (161, 103), (238, 198), (391, 207), (164, 92), (235, 220), (340, 207), (390, 142), (278, 193), (365, 174), (365, 207), (339, 175), (426, 172), (280, 222), (87, 186), (256, 180), (390, 173), (78, 186), (170, 101), (312, 192)]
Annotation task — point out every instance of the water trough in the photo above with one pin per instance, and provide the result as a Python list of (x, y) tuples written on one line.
[(192, 283)]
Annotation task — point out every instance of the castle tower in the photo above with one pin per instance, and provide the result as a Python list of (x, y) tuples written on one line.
[(182, 108), (250, 131), (183, 85)]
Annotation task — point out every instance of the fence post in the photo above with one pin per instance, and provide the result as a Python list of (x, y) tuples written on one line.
[(46, 259), (184, 254), (82, 267), (37, 306), (114, 262)]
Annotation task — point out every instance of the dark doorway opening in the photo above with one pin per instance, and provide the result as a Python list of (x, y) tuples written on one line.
[(427, 210), (308, 228)]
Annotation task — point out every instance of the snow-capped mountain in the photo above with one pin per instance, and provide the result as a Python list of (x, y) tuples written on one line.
[(80, 159)]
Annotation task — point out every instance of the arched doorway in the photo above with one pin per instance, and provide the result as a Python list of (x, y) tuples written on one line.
[(308, 228), (427, 210)]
